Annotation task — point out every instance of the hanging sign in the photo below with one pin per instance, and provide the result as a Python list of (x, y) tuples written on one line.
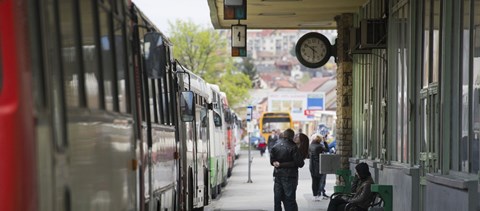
[(235, 10), (239, 40)]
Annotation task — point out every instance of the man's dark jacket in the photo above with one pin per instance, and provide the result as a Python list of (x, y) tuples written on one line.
[(286, 151)]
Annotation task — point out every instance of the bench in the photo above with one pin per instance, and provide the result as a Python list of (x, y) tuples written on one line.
[(377, 204), (383, 194), (346, 176)]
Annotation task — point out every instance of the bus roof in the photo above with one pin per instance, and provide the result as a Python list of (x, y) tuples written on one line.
[(275, 114)]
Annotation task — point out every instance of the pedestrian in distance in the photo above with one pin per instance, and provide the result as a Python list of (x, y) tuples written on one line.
[(318, 180), (272, 139), (362, 195), (286, 178), (262, 146)]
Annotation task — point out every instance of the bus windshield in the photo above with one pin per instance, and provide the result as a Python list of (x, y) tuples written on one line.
[(272, 121)]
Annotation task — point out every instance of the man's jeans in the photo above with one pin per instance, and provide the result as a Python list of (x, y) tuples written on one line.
[(284, 190)]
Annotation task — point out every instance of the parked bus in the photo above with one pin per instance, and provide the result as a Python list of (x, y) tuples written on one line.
[(230, 118), (270, 121), (237, 135), (217, 139), (95, 114)]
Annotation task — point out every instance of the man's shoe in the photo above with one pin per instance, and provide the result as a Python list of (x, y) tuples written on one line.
[(325, 195)]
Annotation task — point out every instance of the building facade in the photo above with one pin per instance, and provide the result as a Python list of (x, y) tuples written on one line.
[(416, 103)]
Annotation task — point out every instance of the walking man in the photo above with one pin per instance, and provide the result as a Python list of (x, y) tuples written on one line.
[(272, 139), (286, 178)]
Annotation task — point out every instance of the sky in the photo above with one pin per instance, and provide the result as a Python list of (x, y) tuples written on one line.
[(162, 11)]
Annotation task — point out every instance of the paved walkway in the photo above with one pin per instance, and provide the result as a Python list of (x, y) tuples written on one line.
[(239, 195)]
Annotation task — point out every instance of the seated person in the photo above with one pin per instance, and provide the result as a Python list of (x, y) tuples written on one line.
[(362, 195)]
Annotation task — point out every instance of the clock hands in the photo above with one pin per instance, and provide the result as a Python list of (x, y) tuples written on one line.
[(313, 49)]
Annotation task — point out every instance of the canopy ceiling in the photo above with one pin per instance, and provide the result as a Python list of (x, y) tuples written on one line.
[(286, 14)]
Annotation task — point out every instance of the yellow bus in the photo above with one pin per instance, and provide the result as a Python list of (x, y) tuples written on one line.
[(270, 121)]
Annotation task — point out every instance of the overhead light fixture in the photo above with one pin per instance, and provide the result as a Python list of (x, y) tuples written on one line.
[(277, 14), (315, 24), (280, 0)]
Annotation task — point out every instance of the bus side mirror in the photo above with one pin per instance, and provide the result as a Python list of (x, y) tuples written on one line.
[(155, 55), (187, 106), (217, 119)]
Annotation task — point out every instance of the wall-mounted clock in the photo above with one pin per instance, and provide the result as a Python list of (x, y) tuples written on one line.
[(313, 50)]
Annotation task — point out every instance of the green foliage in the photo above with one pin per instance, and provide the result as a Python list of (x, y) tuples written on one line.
[(248, 67), (236, 85), (197, 48), (205, 52)]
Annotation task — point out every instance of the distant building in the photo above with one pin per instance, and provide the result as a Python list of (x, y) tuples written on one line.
[(325, 85)]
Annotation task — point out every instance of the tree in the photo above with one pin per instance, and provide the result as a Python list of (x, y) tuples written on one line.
[(236, 86), (248, 67), (204, 52)]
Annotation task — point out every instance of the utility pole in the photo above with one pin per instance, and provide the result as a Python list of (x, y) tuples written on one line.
[(249, 130)]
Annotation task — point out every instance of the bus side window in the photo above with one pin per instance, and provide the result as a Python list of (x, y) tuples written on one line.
[(187, 106)]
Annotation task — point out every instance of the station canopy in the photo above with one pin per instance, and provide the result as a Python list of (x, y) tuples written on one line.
[(286, 14)]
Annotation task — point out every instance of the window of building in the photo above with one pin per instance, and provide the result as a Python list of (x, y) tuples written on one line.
[(427, 147), (475, 88), (431, 41), (369, 71), (398, 88), (362, 69), (465, 147)]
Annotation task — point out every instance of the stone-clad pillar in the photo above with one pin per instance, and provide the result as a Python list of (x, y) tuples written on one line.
[(344, 89)]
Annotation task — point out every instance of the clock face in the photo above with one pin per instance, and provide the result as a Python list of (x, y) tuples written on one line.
[(313, 50)]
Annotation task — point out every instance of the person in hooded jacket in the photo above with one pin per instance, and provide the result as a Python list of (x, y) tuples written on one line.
[(315, 149), (362, 195)]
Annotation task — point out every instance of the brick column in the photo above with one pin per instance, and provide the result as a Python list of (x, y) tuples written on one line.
[(344, 89)]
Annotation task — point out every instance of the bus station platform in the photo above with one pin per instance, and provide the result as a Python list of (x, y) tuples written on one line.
[(239, 195)]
